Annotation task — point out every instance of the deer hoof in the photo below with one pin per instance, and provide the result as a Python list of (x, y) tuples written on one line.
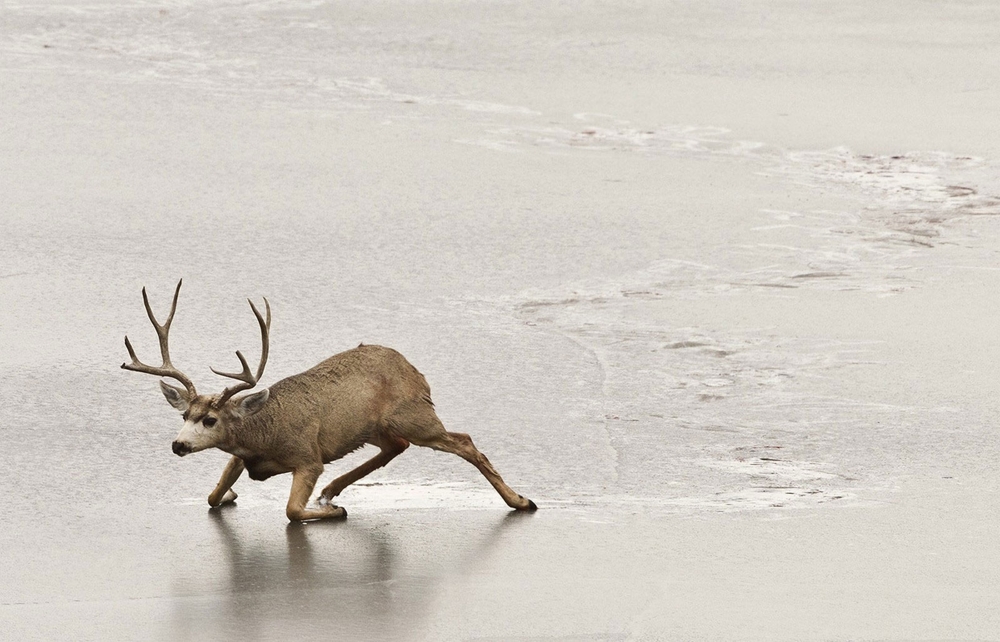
[(337, 513), (530, 508), (228, 498)]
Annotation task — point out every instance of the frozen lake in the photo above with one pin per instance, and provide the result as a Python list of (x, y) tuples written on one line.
[(715, 284)]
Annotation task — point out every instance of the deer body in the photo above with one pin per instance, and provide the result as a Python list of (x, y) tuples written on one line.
[(368, 395), (327, 411)]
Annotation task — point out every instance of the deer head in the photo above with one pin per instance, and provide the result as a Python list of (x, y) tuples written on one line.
[(209, 420)]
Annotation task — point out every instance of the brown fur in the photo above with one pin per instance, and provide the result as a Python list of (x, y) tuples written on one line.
[(368, 395)]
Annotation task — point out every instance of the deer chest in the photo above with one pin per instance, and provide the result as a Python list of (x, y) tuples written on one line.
[(259, 468)]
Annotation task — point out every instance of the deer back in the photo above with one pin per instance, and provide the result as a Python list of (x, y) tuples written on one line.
[(338, 405)]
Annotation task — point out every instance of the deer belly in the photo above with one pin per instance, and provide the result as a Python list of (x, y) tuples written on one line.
[(343, 444), (261, 469)]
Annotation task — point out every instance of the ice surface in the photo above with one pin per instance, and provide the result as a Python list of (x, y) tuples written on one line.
[(715, 284)]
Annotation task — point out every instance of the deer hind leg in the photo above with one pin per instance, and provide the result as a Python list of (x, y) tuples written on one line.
[(391, 447), (224, 492), (303, 482), (422, 427)]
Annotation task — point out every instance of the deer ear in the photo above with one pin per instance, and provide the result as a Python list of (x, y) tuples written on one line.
[(250, 404), (176, 397)]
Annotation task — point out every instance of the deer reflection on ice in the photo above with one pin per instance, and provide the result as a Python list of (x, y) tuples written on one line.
[(360, 579)]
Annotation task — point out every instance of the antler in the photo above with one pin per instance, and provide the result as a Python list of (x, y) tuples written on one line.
[(248, 379), (167, 369)]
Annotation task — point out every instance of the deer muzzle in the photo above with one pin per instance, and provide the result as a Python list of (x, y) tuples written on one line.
[(180, 448)]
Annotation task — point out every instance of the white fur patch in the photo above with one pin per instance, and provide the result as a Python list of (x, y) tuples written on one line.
[(196, 436)]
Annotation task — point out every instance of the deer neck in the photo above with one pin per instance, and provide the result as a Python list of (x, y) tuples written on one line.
[(249, 438)]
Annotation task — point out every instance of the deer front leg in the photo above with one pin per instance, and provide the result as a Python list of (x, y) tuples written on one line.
[(303, 482), (223, 492)]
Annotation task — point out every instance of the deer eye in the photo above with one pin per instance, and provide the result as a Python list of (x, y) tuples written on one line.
[(208, 421)]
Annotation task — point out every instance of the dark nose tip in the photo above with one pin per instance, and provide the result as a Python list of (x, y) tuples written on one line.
[(180, 449)]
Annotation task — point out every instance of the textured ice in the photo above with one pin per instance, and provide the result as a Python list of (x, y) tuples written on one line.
[(713, 283)]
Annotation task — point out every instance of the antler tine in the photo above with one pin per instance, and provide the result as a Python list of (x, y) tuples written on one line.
[(162, 333), (163, 330), (265, 333), (248, 379), (246, 376)]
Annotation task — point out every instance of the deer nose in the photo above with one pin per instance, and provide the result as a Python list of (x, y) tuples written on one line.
[(180, 448)]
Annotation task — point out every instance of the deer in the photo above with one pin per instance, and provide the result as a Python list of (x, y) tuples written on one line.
[(367, 395)]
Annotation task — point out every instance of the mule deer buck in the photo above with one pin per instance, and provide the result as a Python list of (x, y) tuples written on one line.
[(368, 395)]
